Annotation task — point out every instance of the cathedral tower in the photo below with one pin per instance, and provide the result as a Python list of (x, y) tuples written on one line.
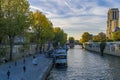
[(112, 21)]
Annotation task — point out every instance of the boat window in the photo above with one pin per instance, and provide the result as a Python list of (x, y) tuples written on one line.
[(61, 53), (61, 57)]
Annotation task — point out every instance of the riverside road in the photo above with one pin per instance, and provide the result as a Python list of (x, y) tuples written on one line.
[(85, 65)]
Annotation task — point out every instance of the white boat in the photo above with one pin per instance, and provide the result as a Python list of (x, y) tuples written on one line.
[(60, 57)]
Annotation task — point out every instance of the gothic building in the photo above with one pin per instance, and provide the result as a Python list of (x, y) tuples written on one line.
[(112, 22)]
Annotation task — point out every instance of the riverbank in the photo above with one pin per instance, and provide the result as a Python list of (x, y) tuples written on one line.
[(30, 72), (111, 48)]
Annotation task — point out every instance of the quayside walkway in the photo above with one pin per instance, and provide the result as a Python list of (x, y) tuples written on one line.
[(25, 69)]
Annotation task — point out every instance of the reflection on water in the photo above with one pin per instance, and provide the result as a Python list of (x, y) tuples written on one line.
[(85, 65)]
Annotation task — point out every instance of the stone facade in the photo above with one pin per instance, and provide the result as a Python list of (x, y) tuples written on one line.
[(112, 48), (112, 21)]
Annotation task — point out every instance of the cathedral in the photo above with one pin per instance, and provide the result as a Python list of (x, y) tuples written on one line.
[(113, 22)]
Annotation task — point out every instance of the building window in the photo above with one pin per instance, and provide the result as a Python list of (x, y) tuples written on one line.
[(113, 15)]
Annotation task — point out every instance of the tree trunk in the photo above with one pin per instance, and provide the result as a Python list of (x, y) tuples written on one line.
[(40, 48), (11, 39), (37, 48)]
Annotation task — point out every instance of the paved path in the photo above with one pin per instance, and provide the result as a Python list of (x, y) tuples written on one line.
[(33, 72)]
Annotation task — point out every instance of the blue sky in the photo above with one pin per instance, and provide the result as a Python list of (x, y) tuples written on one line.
[(76, 16)]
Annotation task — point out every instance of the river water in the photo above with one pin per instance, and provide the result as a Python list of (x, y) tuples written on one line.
[(85, 65)]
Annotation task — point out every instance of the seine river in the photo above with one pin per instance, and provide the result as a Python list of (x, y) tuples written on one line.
[(85, 65)]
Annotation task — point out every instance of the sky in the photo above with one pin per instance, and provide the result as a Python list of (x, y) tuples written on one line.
[(76, 16)]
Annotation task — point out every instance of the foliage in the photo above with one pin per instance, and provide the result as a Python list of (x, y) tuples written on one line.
[(15, 19), (81, 40), (15, 16), (86, 37), (100, 37), (71, 39), (96, 38), (42, 28), (116, 36), (1, 23), (109, 40), (60, 37), (64, 38)]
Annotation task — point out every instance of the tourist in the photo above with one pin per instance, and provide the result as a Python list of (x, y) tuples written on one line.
[(35, 60), (24, 69), (8, 74)]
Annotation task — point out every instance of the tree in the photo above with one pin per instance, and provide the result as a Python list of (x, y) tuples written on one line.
[(15, 19), (64, 38), (48, 33), (1, 25), (100, 37), (96, 38), (60, 37), (116, 36), (102, 47), (42, 28), (81, 40), (86, 37), (71, 39)]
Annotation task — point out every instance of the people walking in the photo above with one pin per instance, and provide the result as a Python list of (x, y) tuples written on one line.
[(8, 74), (24, 69)]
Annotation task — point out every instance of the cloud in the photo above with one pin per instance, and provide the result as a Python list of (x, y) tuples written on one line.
[(76, 16)]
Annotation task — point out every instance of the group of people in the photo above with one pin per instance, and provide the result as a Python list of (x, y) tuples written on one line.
[(9, 73), (34, 62)]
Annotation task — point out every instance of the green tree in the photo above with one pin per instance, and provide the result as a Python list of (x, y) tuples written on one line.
[(116, 36), (81, 40), (60, 37), (72, 42), (102, 47), (71, 39), (1, 25), (100, 37), (48, 32), (15, 19), (42, 28), (64, 38), (86, 37), (96, 38)]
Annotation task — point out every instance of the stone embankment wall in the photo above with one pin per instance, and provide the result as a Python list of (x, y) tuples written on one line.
[(112, 48), (21, 50)]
